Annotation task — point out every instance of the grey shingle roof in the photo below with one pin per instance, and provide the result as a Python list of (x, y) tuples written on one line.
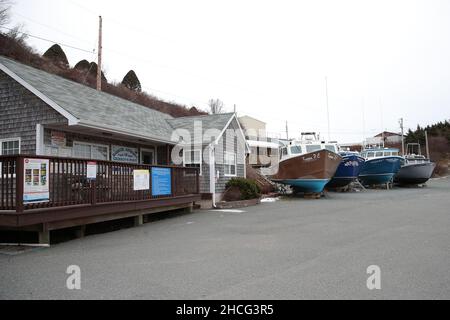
[(208, 122), (100, 109), (92, 107)]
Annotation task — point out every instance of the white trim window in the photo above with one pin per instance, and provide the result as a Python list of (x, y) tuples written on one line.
[(230, 164), (146, 153), (9, 147), (193, 159), (92, 151)]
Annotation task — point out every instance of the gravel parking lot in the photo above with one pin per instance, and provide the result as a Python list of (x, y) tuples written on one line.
[(290, 249)]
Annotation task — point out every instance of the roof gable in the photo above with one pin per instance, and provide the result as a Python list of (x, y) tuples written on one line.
[(83, 105)]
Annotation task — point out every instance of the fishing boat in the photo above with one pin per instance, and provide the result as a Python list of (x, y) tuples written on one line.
[(308, 164), (416, 168), (381, 165), (348, 171)]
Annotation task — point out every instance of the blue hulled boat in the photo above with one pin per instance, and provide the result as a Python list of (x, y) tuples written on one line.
[(381, 166), (348, 171)]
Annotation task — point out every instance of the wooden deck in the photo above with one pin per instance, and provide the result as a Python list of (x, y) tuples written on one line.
[(75, 200)]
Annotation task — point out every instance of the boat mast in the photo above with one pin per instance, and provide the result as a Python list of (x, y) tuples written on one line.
[(363, 123)]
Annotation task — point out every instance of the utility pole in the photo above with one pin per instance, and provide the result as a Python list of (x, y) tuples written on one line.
[(328, 108), (403, 136), (426, 145), (99, 62)]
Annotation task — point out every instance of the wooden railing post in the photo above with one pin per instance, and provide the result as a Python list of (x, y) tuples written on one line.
[(94, 192), (19, 184), (172, 177)]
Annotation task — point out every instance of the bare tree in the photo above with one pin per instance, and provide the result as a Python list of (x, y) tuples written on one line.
[(5, 6), (18, 35), (215, 106)]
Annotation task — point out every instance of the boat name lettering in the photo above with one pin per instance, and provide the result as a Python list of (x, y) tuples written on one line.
[(352, 164), (312, 157)]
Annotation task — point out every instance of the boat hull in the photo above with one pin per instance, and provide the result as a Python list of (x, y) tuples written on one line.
[(308, 173), (347, 172), (379, 170), (417, 173)]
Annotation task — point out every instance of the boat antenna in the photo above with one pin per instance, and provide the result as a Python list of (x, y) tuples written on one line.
[(383, 136), (328, 107), (287, 131), (363, 121)]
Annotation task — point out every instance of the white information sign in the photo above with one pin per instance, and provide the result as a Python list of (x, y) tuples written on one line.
[(92, 170), (141, 180), (36, 185)]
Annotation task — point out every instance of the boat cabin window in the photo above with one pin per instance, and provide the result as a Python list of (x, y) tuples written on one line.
[(283, 152), (395, 154), (387, 154), (296, 150), (330, 148), (313, 148), (379, 154), (370, 154)]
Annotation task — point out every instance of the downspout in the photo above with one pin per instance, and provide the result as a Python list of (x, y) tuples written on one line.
[(212, 174)]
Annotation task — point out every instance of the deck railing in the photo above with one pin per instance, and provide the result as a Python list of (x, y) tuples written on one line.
[(68, 183)]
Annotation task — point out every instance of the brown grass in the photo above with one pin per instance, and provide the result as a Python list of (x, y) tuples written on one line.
[(16, 49)]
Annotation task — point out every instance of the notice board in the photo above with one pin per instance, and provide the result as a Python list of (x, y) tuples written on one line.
[(36, 184), (161, 182)]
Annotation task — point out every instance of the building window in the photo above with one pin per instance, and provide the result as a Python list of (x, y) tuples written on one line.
[(193, 159), (90, 151), (9, 147), (230, 164)]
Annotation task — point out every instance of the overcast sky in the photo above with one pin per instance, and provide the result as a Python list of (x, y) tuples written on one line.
[(270, 58)]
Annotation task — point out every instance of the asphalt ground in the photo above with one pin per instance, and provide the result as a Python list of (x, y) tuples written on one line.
[(290, 249)]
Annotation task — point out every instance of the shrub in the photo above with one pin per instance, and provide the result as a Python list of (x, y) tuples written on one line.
[(248, 188)]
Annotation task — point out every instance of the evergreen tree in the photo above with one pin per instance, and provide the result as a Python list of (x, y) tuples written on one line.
[(132, 82), (83, 65), (56, 55)]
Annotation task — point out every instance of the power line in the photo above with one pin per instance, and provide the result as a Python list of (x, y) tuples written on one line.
[(179, 70), (48, 40), (93, 53), (51, 28), (147, 61), (121, 54)]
